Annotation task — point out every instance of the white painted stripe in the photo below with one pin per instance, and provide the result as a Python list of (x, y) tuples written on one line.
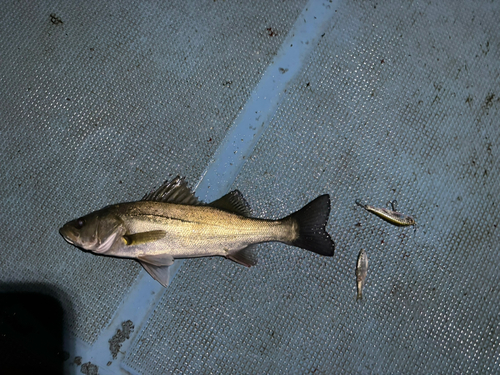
[(137, 306), (242, 137)]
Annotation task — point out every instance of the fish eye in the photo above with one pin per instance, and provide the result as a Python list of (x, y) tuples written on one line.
[(79, 223)]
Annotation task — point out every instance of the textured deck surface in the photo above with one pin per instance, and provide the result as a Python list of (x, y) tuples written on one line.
[(284, 101)]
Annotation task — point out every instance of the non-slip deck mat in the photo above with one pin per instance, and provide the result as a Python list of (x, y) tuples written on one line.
[(102, 101), (395, 102)]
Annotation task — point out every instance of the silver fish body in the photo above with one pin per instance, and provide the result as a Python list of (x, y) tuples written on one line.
[(179, 231), (171, 223), (361, 272), (391, 216)]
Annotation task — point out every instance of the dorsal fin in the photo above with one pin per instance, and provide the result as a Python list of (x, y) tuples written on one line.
[(233, 202), (175, 191)]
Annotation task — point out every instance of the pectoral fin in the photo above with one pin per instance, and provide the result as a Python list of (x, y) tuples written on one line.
[(160, 274), (143, 237)]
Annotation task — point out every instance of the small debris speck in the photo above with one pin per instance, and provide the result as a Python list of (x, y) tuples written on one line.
[(55, 20), (89, 369), (270, 31), (78, 361)]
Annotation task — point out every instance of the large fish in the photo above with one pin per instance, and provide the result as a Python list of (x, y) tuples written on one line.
[(171, 223)]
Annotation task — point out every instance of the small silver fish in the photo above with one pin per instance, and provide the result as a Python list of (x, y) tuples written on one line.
[(391, 216), (361, 272), (172, 223)]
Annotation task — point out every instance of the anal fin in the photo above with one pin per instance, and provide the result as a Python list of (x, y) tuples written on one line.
[(243, 256)]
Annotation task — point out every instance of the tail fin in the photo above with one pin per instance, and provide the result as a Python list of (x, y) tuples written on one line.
[(311, 221)]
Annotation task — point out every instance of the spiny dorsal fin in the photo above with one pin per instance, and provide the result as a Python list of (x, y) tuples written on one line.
[(233, 202), (175, 191), (143, 237)]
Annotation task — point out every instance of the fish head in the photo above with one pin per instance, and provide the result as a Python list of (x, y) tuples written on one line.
[(95, 232)]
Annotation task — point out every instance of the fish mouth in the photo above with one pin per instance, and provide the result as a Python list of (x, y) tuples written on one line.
[(67, 233)]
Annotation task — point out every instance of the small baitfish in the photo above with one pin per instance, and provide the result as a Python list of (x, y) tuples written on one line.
[(361, 272), (172, 223), (391, 216)]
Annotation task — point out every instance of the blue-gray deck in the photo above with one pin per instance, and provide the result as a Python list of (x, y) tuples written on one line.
[(380, 102)]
